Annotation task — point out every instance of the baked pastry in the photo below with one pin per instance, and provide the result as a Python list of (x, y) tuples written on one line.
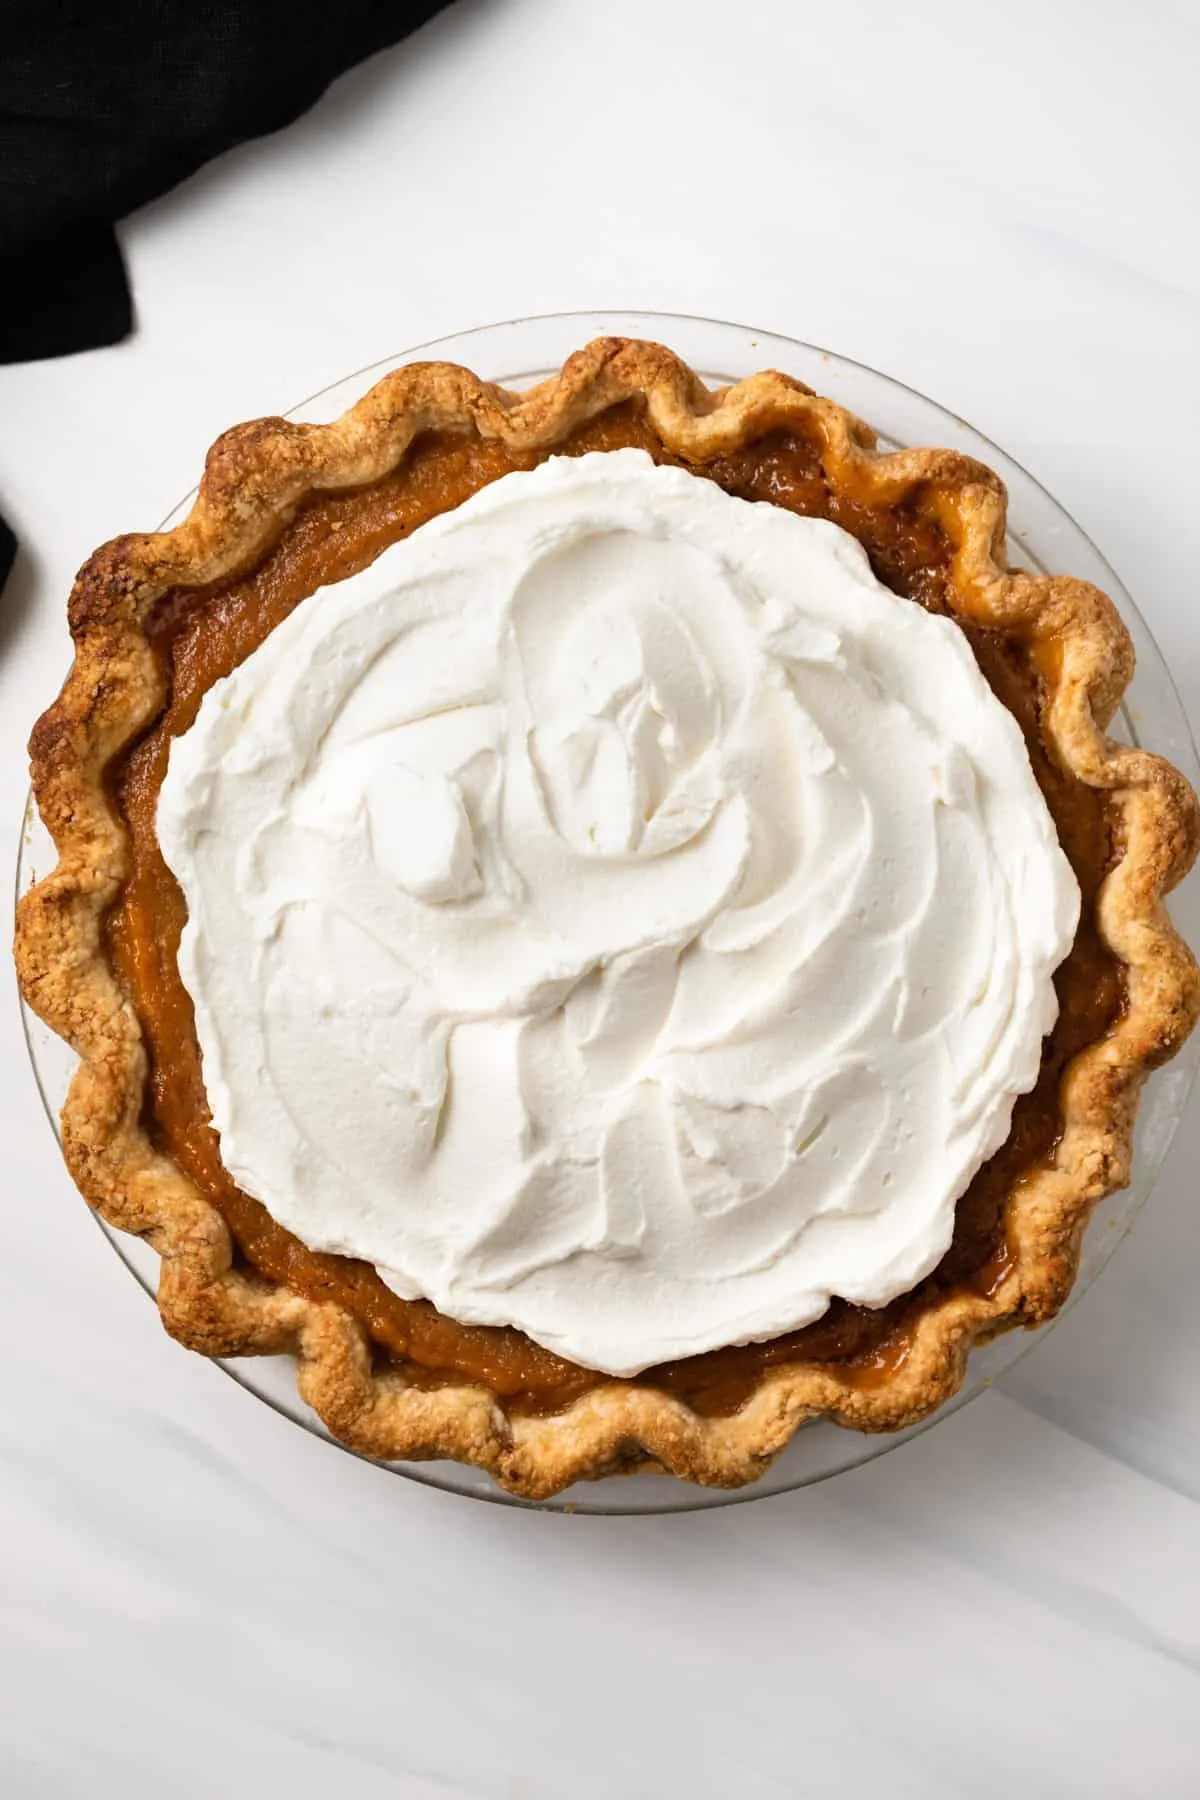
[(704, 995)]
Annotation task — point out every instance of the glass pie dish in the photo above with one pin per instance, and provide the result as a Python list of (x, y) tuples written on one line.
[(1041, 538)]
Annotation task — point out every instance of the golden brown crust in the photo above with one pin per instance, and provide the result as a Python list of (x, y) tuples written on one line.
[(255, 477)]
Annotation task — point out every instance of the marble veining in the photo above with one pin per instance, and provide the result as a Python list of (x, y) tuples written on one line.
[(200, 1599)]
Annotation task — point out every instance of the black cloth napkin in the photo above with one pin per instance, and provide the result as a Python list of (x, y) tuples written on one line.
[(105, 104)]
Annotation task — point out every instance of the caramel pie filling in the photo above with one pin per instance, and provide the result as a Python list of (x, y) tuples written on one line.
[(203, 634)]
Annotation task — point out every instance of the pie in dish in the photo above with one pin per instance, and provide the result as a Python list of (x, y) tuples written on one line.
[(600, 970)]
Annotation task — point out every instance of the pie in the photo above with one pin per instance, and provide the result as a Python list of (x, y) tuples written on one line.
[(621, 931)]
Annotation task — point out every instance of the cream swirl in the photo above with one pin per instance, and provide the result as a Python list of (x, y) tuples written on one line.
[(615, 914)]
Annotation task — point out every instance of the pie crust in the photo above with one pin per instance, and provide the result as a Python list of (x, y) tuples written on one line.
[(256, 477)]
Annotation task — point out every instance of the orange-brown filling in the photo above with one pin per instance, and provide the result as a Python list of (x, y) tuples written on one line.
[(203, 634)]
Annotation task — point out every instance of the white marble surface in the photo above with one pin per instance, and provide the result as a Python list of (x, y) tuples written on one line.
[(198, 1599)]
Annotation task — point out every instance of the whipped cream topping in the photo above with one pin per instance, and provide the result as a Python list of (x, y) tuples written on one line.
[(615, 914)]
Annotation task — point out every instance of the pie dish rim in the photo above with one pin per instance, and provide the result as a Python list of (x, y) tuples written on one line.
[(255, 474)]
